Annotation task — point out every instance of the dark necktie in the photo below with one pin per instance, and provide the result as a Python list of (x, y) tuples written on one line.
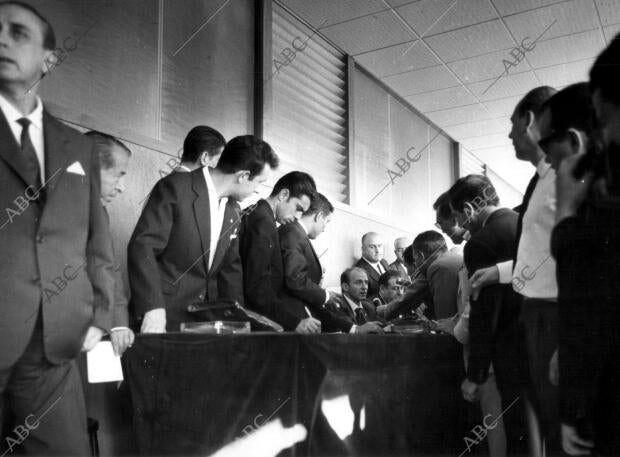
[(29, 155), (360, 315), (526, 201)]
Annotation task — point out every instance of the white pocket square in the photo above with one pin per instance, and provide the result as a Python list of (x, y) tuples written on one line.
[(76, 168)]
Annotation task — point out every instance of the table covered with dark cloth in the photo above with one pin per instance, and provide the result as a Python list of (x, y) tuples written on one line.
[(393, 394)]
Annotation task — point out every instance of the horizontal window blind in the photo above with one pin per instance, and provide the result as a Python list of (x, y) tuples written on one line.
[(307, 122)]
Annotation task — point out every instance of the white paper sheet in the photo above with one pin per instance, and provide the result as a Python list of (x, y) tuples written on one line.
[(103, 365)]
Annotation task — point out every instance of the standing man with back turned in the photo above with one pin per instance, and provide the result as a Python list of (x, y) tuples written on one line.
[(56, 277)]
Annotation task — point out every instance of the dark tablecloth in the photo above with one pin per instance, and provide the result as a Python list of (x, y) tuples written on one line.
[(192, 394)]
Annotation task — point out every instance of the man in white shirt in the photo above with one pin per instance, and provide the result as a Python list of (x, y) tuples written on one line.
[(184, 249), (532, 273), (372, 260)]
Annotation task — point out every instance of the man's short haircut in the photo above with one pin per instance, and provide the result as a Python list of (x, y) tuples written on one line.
[(200, 139), (408, 255), (247, 152), (534, 100), (605, 73), (366, 235), (320, 204), (298, 184), (49, 37), (572, 108), (429, 243), (104, 144), (384, 279), (442, 206), (472, 189), (345, 277)]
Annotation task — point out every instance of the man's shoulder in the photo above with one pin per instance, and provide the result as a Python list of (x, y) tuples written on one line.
[(361, 263), (290, 230)]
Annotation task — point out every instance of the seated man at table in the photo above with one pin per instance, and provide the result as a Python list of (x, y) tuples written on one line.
[(184, 249), (389, 288), (350, 312), (259, 247)]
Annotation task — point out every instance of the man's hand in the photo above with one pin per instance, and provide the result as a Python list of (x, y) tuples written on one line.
[(308, 325), (369, 327), (154, 321), (471, 391), (572, 443), (447, 325), (554, 370), (570, 192), (482, 278), (122, 338), (93, 336)]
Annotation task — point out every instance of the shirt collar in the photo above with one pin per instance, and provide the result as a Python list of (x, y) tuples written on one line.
[(374, 264), (210, 184), (543, 167), (351, 303), (303, 226), (12, 114)]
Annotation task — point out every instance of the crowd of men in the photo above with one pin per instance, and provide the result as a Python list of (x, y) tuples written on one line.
[(532, 293)]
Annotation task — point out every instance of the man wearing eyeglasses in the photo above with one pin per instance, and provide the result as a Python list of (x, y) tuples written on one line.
[(399, 264)]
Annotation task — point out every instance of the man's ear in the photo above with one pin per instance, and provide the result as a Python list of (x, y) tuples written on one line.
[(284, 195), (242, 175), (530, 121), (204, 159), (577, 141)]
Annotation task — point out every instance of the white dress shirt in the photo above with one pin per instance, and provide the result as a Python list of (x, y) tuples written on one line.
[(376, 265), (217, 206), (534, 274), (35, 130)]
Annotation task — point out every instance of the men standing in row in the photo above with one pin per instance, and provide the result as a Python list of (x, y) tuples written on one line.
[(56, 277), (202, 147), (372, 261), (400, 244), (114, 160), (259, 247), (184, 248)]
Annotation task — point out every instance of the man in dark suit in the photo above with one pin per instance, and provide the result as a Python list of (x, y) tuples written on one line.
[(372, 260), (259, 247), (202, 147), (350, 312), (389, 288), (400, 244), (56, 280), (114, 161), (495, 334), (184, 249)]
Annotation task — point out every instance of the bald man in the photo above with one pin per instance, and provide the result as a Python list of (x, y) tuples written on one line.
[(400, 244), (372, 260)]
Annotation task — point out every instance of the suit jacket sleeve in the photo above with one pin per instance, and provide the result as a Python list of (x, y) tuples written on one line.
[(120, 317), (441, 282), (481, 316), (149, 240), (415, 294), (296, 275), (99, 252), (230, 276), (257, 253), (332, 319)]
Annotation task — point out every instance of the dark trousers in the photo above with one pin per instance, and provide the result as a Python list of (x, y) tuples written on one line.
[(44, 403), (540, 321)]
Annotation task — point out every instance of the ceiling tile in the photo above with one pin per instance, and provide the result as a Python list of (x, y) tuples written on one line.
[(429, 17), (487, 141), (397, 59), (470, 41), (506, 7), (565, 74), (611, 32), (485, 67), (609, 11), (441, 99), (460, 115), (368, 33), (570, 17), (570, 48), (317, 11), (504, 86), (395, 3), (425, 80), (505, 106), (481, 128)]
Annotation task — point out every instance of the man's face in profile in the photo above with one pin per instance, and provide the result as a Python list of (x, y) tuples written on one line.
[(291, 208), (22, 56), (247, 186)]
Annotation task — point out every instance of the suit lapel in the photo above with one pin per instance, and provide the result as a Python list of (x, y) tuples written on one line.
[(228, 230), (10, 151), (57, 156), (202, 214)]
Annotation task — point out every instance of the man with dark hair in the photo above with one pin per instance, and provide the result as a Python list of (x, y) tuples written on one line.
[(586, 245), (445, 220), (372, 260), (390, 288), (532, 268), (114, 160), (259, 247), (202, 147), (56, 280), (494, 319), (302, 268), (184, 248)]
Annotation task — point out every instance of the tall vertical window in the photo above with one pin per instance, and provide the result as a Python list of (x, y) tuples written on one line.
[(305, 115)]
